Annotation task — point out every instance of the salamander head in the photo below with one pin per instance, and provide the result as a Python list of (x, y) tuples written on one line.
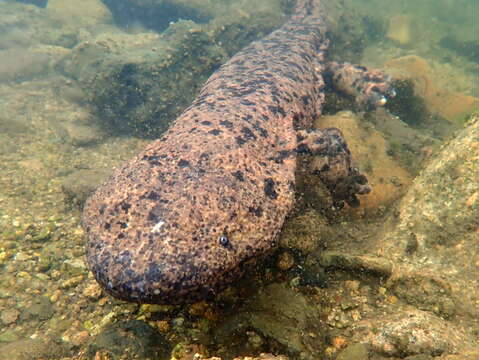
[(171, 244)]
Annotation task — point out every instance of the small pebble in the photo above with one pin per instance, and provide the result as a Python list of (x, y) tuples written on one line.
[(163, 326), (198, 309), (9, 316), (285, 261), (339, 342), (93, 291), (80, 338), (72, 282), (352, 285), (56, 295)]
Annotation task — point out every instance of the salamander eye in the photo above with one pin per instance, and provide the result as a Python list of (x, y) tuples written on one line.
[(223, 240)]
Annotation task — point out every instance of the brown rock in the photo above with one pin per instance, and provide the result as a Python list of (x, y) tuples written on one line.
[(451, 105), (9, 316)]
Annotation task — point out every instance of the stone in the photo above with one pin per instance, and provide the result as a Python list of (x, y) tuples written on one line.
[(141, 340), (78, 185), (451, 105), (286, 316), (27, 349), (354, 352), (90, 13), (9, 316)]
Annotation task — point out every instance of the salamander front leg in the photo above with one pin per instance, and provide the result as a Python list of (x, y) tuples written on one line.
[(333, 164), (371, 88)]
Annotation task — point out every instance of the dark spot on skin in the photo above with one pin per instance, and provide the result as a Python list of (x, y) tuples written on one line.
[(239, 140), (120, 236), (153, 217), (247, 102), (226, 124), (303, 149), (206, 122), (269, 190), (153, 195), (277, 110), (149, 157), (204, 156), (125, 207), (152, 159), (107, 226), (122, 224), (245, 92), (215, 132), (183, 163), (291, 76), (262, 132), (248, 134), (154, 272), (257, 211), (283, 154), (238, 175), (102, 209)]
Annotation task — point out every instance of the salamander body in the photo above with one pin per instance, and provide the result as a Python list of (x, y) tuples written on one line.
[(185, 217)]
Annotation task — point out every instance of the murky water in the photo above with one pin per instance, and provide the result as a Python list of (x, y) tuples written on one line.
[(85, 88)]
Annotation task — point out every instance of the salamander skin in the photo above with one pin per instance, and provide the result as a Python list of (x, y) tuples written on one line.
[(197, 207)]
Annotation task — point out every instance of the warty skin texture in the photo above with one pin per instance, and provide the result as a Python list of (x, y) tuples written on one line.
[(197, 207)]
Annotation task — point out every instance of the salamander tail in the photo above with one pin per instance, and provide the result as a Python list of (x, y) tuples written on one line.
[(308, 8)]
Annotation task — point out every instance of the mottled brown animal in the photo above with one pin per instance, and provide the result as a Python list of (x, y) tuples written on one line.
[(183, 219)]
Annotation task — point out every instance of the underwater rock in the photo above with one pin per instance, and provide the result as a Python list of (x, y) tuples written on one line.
[(61, 24), (421, 260), (158, 14), (262, 356), (21, 64), (431, 240), (81, 133), (354, 352), (90, 13), (442, 206), (19, 25), (27, 349), (437, 224), (78, 185), (134, 337), (428, 84), (137, 84), (288, 317), (409, 333)]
